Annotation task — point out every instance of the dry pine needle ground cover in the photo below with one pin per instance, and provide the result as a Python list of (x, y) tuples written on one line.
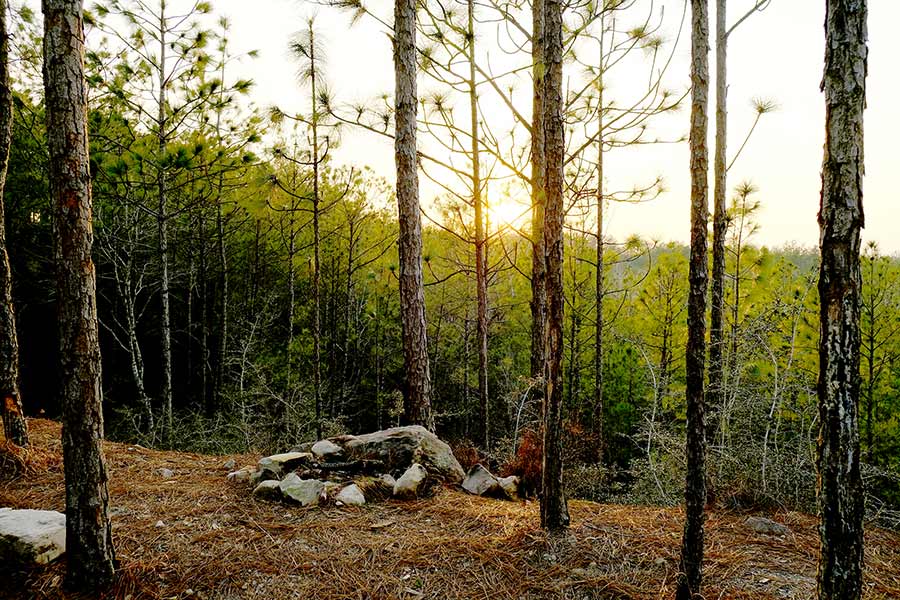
[(217, 542)]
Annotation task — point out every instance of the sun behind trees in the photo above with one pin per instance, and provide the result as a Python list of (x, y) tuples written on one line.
[(250, 290)]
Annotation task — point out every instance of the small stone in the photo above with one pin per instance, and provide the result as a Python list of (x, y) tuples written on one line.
[(327, 450), (159, 524), (268, 490), (32, 536), (389, 479), (766, 526), (510, 486), (351, 495), (229, 465), (241, 475), (306, 492), (580, 573), (408, 486), (166, 473)]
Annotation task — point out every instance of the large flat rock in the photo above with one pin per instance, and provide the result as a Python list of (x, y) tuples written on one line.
[(32, 536), (400, 447)]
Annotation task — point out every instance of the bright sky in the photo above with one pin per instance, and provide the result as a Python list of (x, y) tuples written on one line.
[(776, 54)]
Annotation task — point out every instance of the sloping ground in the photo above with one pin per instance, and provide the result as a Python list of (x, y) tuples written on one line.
[(216, 542)]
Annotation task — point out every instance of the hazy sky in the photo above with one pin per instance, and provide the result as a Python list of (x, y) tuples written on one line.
[(776, 54)]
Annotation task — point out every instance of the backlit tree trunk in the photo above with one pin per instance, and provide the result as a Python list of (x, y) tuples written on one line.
[(538, 268), (481, 275), (89, 550), (554, 511), (691, 564), (417, 387), (14, 426), (840, 490), (716, 393)]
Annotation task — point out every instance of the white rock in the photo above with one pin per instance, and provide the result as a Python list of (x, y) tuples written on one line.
[(241, 475), (351, 495), (268, 490), (389, 480), (36, 536), (408, 485), (166, 473), (229, 465), (305, 492), (160, 524), (327, 450)]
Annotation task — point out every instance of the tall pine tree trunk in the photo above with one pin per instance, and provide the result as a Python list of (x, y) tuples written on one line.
[(480, 242), (89, 550), (417, 388), (599, 288), (716, 392), (840, 491), (162, 217), (538, 268), (691, 565), (15, 427), (554, 512)]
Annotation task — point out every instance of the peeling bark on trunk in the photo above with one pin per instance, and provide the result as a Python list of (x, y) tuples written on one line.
[(691, 563), (554, 511), (716, 392), (417, 387), (15, 427), (89, 549), (840, 489)]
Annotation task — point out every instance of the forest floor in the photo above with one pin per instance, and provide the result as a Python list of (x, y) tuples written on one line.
[(196, 536)]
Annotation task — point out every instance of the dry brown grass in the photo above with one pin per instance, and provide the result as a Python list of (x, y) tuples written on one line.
[(218, 542)]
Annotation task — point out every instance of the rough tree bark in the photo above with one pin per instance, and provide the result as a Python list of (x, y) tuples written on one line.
[(691, 564), (538, 267), (417, 387), (599, 287), (716, 392), (89, 549), (554, 511), (840, 489), (15, 427), (162, 217)]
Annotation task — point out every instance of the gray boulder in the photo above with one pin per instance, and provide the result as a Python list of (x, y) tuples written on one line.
[(268, 490), (410, 483), (766, 526), (327, 450), (31, 536), (351, 495), (480, 482), (305, 492), (281, 464), (229, 464), (400, 447)]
